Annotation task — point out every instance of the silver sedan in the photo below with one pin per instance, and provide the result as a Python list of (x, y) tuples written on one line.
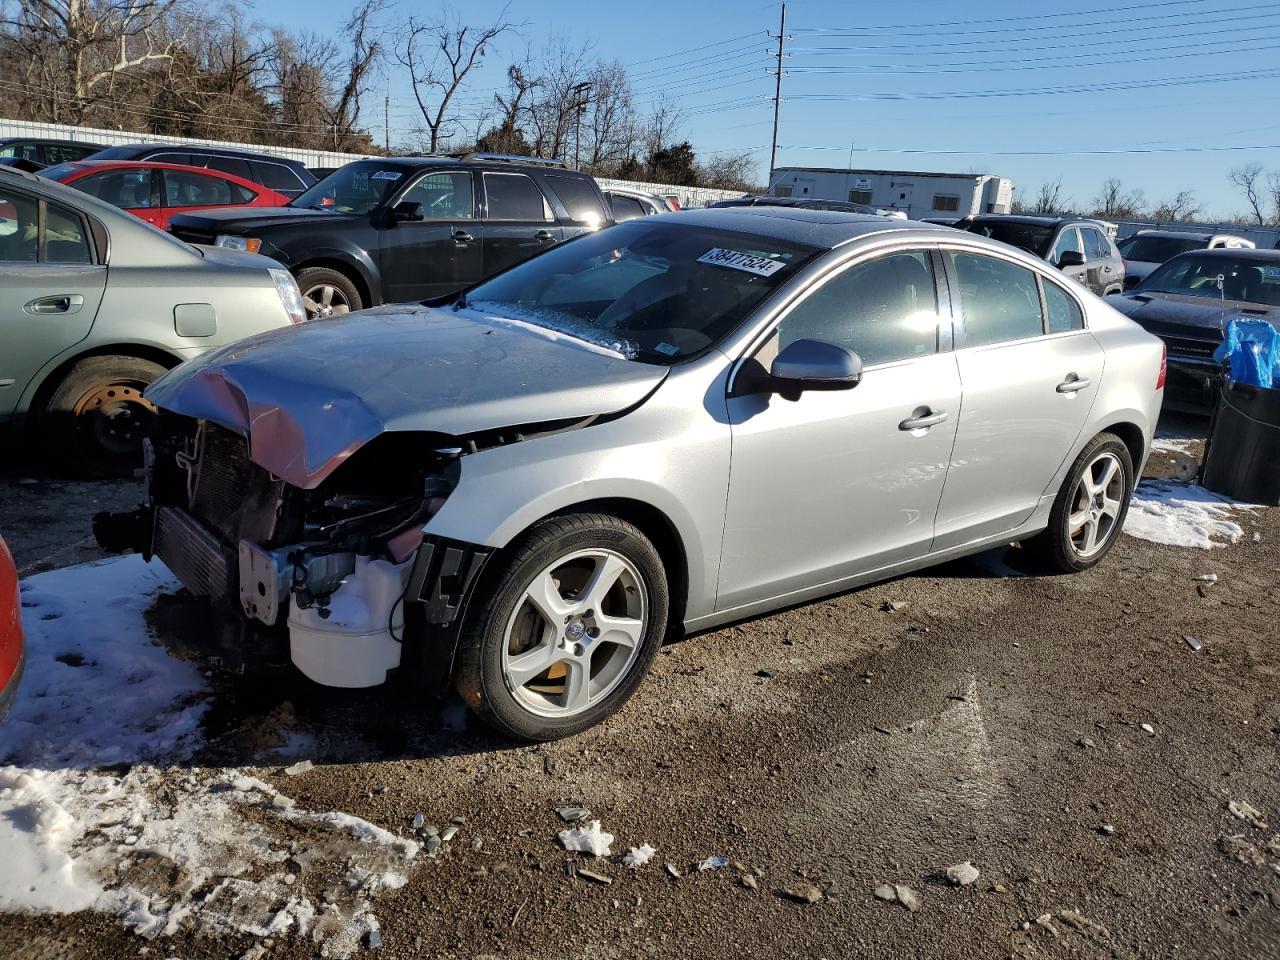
[(672, 424)]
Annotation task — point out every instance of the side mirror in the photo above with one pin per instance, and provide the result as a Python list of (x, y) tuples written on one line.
[(1072, 258), (406, 212), (807, 365)]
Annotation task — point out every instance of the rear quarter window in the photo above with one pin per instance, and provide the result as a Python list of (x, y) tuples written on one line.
[(277, 176)]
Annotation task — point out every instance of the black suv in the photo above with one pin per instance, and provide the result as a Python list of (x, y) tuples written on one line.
[(36, 153), (1077, 246), (409, 228), (276, 173)]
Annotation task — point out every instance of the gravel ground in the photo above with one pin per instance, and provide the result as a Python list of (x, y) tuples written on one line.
[(975, 712)]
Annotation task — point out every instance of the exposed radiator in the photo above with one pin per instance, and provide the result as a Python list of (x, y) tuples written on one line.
[(194, 554), (233, 496)]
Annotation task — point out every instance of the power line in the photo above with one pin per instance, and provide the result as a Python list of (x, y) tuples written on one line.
[(1045, 153), (697, 49), (1041, 16)]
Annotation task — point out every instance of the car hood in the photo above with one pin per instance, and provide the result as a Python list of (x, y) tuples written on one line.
[(1171, 310), (236, 219), (307, 397)]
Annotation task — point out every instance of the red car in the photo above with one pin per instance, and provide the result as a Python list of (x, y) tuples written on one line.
[(156, 191), (10, 630)]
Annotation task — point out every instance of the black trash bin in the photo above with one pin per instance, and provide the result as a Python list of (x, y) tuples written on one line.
[(1243, 457)]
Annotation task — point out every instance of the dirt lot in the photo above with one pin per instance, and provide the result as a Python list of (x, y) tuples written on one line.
[(1059, 732)]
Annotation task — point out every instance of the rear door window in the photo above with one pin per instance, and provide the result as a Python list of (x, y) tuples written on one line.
[(19, 227), (514, 196), (1068, 242), (1000, 300), (232, 165), (578, 197), (183, 189), (65, 240), (1097, 247)]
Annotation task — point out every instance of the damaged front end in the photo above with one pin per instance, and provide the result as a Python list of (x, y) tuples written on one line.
[(344, 566)]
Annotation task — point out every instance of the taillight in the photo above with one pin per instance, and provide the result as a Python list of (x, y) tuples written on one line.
[(1164, 366)]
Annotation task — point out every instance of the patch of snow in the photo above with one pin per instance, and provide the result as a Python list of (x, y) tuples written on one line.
[(1173, 445), (161, 848), (1183, 515)]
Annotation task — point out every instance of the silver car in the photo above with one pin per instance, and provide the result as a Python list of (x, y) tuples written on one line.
[(675, 423), (95, 304)]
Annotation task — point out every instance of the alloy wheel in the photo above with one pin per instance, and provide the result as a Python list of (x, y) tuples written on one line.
[(1096, 505), (325, 300), (575, 633)]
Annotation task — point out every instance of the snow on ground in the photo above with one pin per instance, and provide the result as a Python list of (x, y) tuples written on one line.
[(98, 809), (1173, 445), (1183, 515)]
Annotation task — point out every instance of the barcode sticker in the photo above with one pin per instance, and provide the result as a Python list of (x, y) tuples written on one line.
[(737, 260)]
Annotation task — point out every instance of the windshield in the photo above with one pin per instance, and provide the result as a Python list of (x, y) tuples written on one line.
[(1032, 237), (656, 292), (356, 188), (1251, 281), (1147, 249)]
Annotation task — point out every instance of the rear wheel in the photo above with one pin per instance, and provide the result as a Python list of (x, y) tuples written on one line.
[(576, 617), (97, 417), (1088, 513), (327, 293)]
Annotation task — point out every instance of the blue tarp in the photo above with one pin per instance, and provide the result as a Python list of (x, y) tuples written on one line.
[(1252, 348)]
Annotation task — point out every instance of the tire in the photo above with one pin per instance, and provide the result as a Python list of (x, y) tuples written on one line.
[(96, 418), (328, 293), (1065, 544), (584, 656)]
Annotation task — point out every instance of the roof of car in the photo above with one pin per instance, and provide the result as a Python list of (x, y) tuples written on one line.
[(1028, 218), (205, 148), (1184, 234), (818, 228), (1236, 253), (57, 140)]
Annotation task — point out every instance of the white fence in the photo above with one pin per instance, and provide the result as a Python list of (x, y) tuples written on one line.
[(688, 196)]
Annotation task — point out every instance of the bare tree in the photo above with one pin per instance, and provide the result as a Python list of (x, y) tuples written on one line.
[(1114, 203), (1182, 208), (564, 84), (77, 49), (1049, 199), (366, 53), (729, 171), (1273, 189), (1249, 179), (439, 56)]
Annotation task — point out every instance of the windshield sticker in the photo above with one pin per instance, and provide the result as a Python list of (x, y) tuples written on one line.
[(736, 260), (667, 349), (386, 175)]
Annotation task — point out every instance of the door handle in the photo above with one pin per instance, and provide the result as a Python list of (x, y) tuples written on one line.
[(930, 419), (63, 303), (542, 236), (1073, 384), (461, 236)]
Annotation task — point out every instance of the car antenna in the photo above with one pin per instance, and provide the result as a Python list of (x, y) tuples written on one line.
[(1222, 298)]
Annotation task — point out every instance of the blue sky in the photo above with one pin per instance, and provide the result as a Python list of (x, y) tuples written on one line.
[(889, 79)]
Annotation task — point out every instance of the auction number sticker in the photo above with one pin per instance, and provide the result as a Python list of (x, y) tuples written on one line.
[(737, 260), (387, 175)]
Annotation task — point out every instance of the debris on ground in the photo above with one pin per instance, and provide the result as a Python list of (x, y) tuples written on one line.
[(594, 877), (1148, 728), (1192, 642), (962, 874), (714, 863), (302, 766), (418, 821), (1248, 813), (590, 839), (802, 893), (1107, 830), (572, 813), (1073, 920), (639, 856), (672, 871), (907, 897), (1206, 578), (893, 606), (1241, 850), (886, 893), (749, 881), (1084, 743)]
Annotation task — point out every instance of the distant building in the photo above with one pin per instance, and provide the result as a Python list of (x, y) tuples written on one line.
[(916, 194)]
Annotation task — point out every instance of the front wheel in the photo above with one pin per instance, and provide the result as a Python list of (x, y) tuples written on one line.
[(327, 293), (577, 615), (1088, 513)]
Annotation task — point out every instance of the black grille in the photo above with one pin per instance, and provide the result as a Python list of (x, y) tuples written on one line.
[(233, 496), (189, 235)]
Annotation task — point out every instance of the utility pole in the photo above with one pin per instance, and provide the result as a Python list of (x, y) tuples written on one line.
[(777, 93), (386, 119), (581, 90)]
